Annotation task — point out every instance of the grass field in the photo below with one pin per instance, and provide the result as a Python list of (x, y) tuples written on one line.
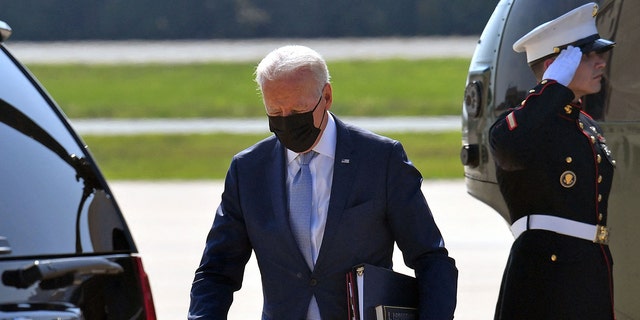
[(361, 88), (172, 157)]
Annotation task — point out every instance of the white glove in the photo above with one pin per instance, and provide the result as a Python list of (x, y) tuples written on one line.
[(564, 66)]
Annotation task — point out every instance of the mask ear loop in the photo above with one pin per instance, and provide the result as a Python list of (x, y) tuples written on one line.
[(323, 113)]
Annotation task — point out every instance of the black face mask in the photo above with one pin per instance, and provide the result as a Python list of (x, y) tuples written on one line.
[(296, 132)]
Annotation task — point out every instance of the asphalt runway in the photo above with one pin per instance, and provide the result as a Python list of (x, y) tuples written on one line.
[(251, 50), (170, 220)]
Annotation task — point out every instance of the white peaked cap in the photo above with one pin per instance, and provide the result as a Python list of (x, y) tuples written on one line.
[(576, 27)]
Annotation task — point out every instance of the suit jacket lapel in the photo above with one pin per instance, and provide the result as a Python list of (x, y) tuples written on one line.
[(344, 170)]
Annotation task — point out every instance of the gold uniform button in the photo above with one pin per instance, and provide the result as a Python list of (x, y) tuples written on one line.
[(599, 197), (543, 82), (599, 158), (532, 91), (569, 159), (613, 162), (554, 258), (599, 178), (568, 109), (593, 140), (581, 125), (600, 216)]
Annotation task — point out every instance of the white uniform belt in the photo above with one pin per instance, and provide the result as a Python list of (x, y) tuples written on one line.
[(595, 233)]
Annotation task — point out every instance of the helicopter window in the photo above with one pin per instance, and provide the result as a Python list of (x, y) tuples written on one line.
[(620, 93), (513, 76)]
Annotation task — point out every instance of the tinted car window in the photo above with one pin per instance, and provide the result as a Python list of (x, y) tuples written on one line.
[(46, 179)]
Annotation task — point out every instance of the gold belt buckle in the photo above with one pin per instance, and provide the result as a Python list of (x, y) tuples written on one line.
[(602, 235)]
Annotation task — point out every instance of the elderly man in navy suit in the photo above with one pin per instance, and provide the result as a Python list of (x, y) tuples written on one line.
[(360, 195)]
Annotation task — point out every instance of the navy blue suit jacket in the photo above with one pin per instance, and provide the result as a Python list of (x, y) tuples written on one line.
[(375, 200)]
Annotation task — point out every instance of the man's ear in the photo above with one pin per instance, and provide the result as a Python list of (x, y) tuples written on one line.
[(327, 94)]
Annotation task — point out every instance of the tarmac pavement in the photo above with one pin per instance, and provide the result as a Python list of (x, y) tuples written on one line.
[(170, 221)]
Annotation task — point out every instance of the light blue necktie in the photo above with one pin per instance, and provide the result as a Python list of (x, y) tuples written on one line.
[(300, 207), (300, 200)]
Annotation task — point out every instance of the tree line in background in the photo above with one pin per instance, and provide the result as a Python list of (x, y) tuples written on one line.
[(55, 20)]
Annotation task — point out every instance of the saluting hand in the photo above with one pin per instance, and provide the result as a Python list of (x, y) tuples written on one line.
[(564, 66)]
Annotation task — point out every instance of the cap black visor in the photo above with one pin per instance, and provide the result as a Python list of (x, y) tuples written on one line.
[(592, 43), (599, 46)]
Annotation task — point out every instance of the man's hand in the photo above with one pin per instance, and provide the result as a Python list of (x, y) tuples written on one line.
[(564, 66)]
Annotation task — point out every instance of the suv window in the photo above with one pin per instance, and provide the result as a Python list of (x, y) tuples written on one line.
[(43, 186)]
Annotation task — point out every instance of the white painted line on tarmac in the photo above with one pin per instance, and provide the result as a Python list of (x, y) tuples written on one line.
[(215, 125)]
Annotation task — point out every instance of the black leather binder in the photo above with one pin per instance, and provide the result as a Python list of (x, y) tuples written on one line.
[(369, 286)]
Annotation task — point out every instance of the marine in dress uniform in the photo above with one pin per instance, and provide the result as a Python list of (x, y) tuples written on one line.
[(555, 172)]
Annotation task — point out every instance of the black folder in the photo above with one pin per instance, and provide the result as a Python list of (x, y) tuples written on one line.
[(369, 286)]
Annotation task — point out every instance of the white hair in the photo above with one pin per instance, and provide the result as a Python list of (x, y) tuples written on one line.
[(291, 58)]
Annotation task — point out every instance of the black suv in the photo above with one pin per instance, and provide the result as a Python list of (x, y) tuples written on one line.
[(65, 249)]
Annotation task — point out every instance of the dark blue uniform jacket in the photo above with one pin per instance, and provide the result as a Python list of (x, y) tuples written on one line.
[(551, 158)]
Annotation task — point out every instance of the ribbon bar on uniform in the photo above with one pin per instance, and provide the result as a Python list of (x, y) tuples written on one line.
[(595, 233)]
